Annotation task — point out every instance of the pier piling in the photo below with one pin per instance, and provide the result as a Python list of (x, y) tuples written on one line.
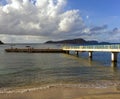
[(77, 53), (114, 56), (90, 54)]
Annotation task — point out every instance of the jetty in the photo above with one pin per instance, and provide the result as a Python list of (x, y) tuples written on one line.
[(114, 49), (32, 50)]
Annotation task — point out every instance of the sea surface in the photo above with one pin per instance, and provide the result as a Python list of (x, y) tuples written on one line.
[(43, 70)]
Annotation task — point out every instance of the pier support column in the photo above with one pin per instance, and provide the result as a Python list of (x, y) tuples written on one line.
[(77, 53), (90, 55), (114, 56)]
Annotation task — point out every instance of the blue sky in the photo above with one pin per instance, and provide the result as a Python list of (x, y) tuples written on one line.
[(99, 11), (59, 19), (97, 7)]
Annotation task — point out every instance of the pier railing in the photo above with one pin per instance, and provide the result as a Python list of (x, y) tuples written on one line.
[(116, 46), (100, 48)]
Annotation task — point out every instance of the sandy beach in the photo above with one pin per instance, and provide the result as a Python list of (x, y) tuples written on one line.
[(66, 93)]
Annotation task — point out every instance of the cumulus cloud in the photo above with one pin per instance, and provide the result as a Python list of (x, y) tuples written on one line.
[(41, 20), (46, 18), (72, 22)]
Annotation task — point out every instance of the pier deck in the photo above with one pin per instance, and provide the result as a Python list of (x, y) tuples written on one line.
[(32, 50)]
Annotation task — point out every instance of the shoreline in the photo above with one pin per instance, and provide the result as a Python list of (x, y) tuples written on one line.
[(95, 85), (101, 89), (61, 92)]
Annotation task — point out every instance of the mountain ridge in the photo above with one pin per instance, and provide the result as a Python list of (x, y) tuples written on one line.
[(76, 41)]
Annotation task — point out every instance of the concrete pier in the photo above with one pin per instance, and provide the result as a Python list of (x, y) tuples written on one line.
[(32, 50), (114, 56), (113, 48), (77, 53), (90, 54)]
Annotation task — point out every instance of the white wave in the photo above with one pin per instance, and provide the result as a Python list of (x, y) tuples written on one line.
[(102, 84)]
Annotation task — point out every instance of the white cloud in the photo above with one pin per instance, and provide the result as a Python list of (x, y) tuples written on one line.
[(114, 35), (41, 20), (46, 18), (71, 21), (22, 38)]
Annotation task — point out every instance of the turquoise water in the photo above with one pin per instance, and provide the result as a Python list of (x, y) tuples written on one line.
[(43, 69)]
